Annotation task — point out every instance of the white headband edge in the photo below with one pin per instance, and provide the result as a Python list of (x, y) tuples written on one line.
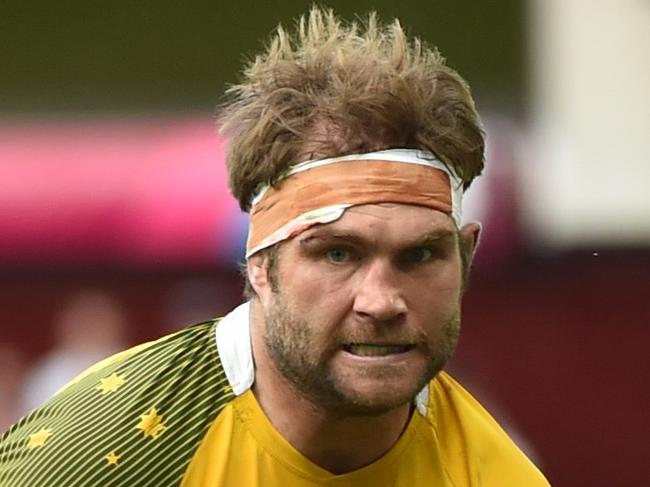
[(409, 156)]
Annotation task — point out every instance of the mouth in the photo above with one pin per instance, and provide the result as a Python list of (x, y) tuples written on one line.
[(375, 350)]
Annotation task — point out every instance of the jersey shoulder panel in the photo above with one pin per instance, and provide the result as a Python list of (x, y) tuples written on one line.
[(477, 451), (133, 419)]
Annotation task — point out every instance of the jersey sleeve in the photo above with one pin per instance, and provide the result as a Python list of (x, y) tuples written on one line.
[(133, 419)]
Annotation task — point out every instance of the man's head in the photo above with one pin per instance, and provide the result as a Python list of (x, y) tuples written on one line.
[(361, 312)]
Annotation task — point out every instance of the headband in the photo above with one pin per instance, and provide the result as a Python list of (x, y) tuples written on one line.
[(319, 191)]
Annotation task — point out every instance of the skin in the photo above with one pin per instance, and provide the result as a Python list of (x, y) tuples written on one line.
[(383, 275)]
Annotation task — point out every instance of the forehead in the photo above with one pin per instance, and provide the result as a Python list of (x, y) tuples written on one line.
[(387, 222)]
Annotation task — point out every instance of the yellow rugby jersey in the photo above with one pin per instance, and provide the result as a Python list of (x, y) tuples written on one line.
[(180, 412)]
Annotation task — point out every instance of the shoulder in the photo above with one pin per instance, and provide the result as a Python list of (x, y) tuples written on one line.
[(461, 424), (141, 411)]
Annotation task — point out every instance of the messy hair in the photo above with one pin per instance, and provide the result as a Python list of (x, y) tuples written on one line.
[(333, 88)]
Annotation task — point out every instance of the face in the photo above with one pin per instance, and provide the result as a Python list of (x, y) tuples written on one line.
[(366, 309)]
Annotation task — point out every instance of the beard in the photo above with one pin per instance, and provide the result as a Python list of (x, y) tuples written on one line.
[(298, 352)]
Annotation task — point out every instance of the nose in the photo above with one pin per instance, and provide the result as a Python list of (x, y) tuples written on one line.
[(379, 296)]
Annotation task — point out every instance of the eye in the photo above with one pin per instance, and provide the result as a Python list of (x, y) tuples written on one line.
[(418, 255), (338, 255)]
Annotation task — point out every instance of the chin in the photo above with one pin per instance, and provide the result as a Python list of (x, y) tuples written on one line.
[(375, 397), (361, 405)]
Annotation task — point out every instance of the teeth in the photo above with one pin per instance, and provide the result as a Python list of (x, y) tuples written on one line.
[(368, 350)]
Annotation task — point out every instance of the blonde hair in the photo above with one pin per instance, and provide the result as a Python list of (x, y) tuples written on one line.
[(333, 88)]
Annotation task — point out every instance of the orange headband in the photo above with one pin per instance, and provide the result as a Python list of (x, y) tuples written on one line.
[(320, 191)]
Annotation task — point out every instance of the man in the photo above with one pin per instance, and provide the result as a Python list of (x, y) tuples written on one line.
[(356, 263)]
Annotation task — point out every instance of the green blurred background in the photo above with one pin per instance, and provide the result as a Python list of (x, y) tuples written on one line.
[(121, 56)]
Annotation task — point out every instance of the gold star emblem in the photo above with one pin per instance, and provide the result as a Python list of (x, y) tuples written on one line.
[(39, 438), (112, 458), (151, 424), (111, 383)]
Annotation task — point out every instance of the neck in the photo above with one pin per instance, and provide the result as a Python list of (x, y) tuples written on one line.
[(335, 442)]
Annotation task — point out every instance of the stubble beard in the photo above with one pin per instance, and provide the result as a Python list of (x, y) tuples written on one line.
[(288, 339)]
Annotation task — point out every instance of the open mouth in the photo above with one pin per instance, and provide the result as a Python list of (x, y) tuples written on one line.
[(372, 350)]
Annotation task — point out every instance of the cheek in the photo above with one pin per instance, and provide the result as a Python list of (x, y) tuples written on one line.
[(435, 306), (320, 298), (437, 296), (313, 285)]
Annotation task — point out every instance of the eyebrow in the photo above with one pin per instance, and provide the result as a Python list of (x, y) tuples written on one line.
[(332, 235), (439, 235)]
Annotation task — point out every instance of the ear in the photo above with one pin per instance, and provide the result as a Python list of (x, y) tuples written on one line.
[(469, 237), (258, 275)]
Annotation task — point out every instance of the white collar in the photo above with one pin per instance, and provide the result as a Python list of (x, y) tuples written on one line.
[(233, 337)]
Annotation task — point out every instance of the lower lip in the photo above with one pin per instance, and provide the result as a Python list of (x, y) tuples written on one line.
[(379, 359)]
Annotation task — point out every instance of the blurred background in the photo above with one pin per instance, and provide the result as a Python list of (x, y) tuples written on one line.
[(116, 225)]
